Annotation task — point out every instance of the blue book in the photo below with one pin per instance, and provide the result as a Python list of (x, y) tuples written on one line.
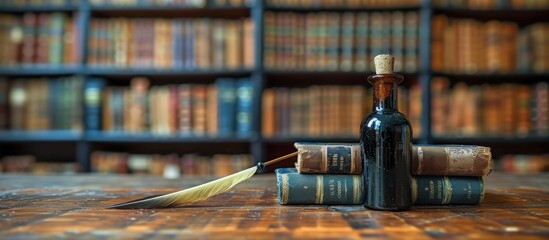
[(188, 37), (332, 189), (295, 188), (244, 95), (177, 43), (93, 91), (226, 106)]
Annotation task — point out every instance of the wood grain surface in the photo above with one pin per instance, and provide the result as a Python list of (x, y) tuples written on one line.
[(73, 207)]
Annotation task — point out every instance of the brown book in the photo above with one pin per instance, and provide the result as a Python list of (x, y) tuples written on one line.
[(269, 40), (523, 109), (415, 109), (211, 112), (247, 44), (269, 118), (106, 108), (199, 98), (439, 105), (541, 120), (137, 104), (315, 111), (491, 105), (233, 47), (185, 109), (43, 39), (437, 42), (70, 52), (29, 51), (507, 94), (439, 160)]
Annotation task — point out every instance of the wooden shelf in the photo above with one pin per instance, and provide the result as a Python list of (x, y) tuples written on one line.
[(340, 9), (110, 72), (113, 137), (50, 8), (40, 136), (495, 77), (39, 71), (170, 11), (521, 16)]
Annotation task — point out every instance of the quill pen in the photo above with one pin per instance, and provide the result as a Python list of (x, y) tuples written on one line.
[(200, 192)]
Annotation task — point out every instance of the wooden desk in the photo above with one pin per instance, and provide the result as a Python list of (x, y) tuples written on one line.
[(73, 207)]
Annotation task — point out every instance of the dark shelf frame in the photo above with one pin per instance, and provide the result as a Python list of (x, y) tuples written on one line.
[(340, 9), (108, 137), (54, 8), (7, 137), (261, 78)]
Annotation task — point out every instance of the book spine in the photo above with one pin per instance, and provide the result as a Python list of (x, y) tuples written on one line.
[(244, 107), (331, 159), (92, 98), (227, 108), (320, 189), (294, 188), (451, 160), (438, 190), (447, 160)]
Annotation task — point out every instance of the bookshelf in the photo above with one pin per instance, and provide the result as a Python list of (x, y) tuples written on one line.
[(79, 145)]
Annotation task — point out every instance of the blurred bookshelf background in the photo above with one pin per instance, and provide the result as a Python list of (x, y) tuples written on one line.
[(208, 87)]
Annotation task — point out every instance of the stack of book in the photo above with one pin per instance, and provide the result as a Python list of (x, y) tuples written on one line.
[(330, 173)]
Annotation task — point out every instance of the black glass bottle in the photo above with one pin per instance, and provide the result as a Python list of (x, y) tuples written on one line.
[(385, 138)]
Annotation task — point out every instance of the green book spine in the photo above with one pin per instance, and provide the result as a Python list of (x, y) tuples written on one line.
[(295, 188), (439, 190)]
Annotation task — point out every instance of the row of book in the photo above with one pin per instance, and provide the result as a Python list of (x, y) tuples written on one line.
[(328, 110), (47, 39), (41, 104), (223, 108), (340, 41), (28, 164), (470, 46), (169, 166), (186, 3), (342, 3), (171, 43), (331, 173), (524, 164), (37, 3), (489, 110), (492, 4)]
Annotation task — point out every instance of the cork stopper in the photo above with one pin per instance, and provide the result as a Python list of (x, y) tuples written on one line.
[(384, 64)]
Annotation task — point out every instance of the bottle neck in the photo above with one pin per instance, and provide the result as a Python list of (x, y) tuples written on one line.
[(385, 96), (385, 91)]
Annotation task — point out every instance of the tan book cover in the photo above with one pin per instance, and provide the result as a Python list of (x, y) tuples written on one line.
[(268, 116)]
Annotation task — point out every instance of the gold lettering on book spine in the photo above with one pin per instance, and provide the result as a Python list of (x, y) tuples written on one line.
[(285, 190), (356, 189), (319, 190), (448, 192)]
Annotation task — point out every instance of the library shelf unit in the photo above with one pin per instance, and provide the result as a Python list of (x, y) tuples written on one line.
[(79, 145)]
